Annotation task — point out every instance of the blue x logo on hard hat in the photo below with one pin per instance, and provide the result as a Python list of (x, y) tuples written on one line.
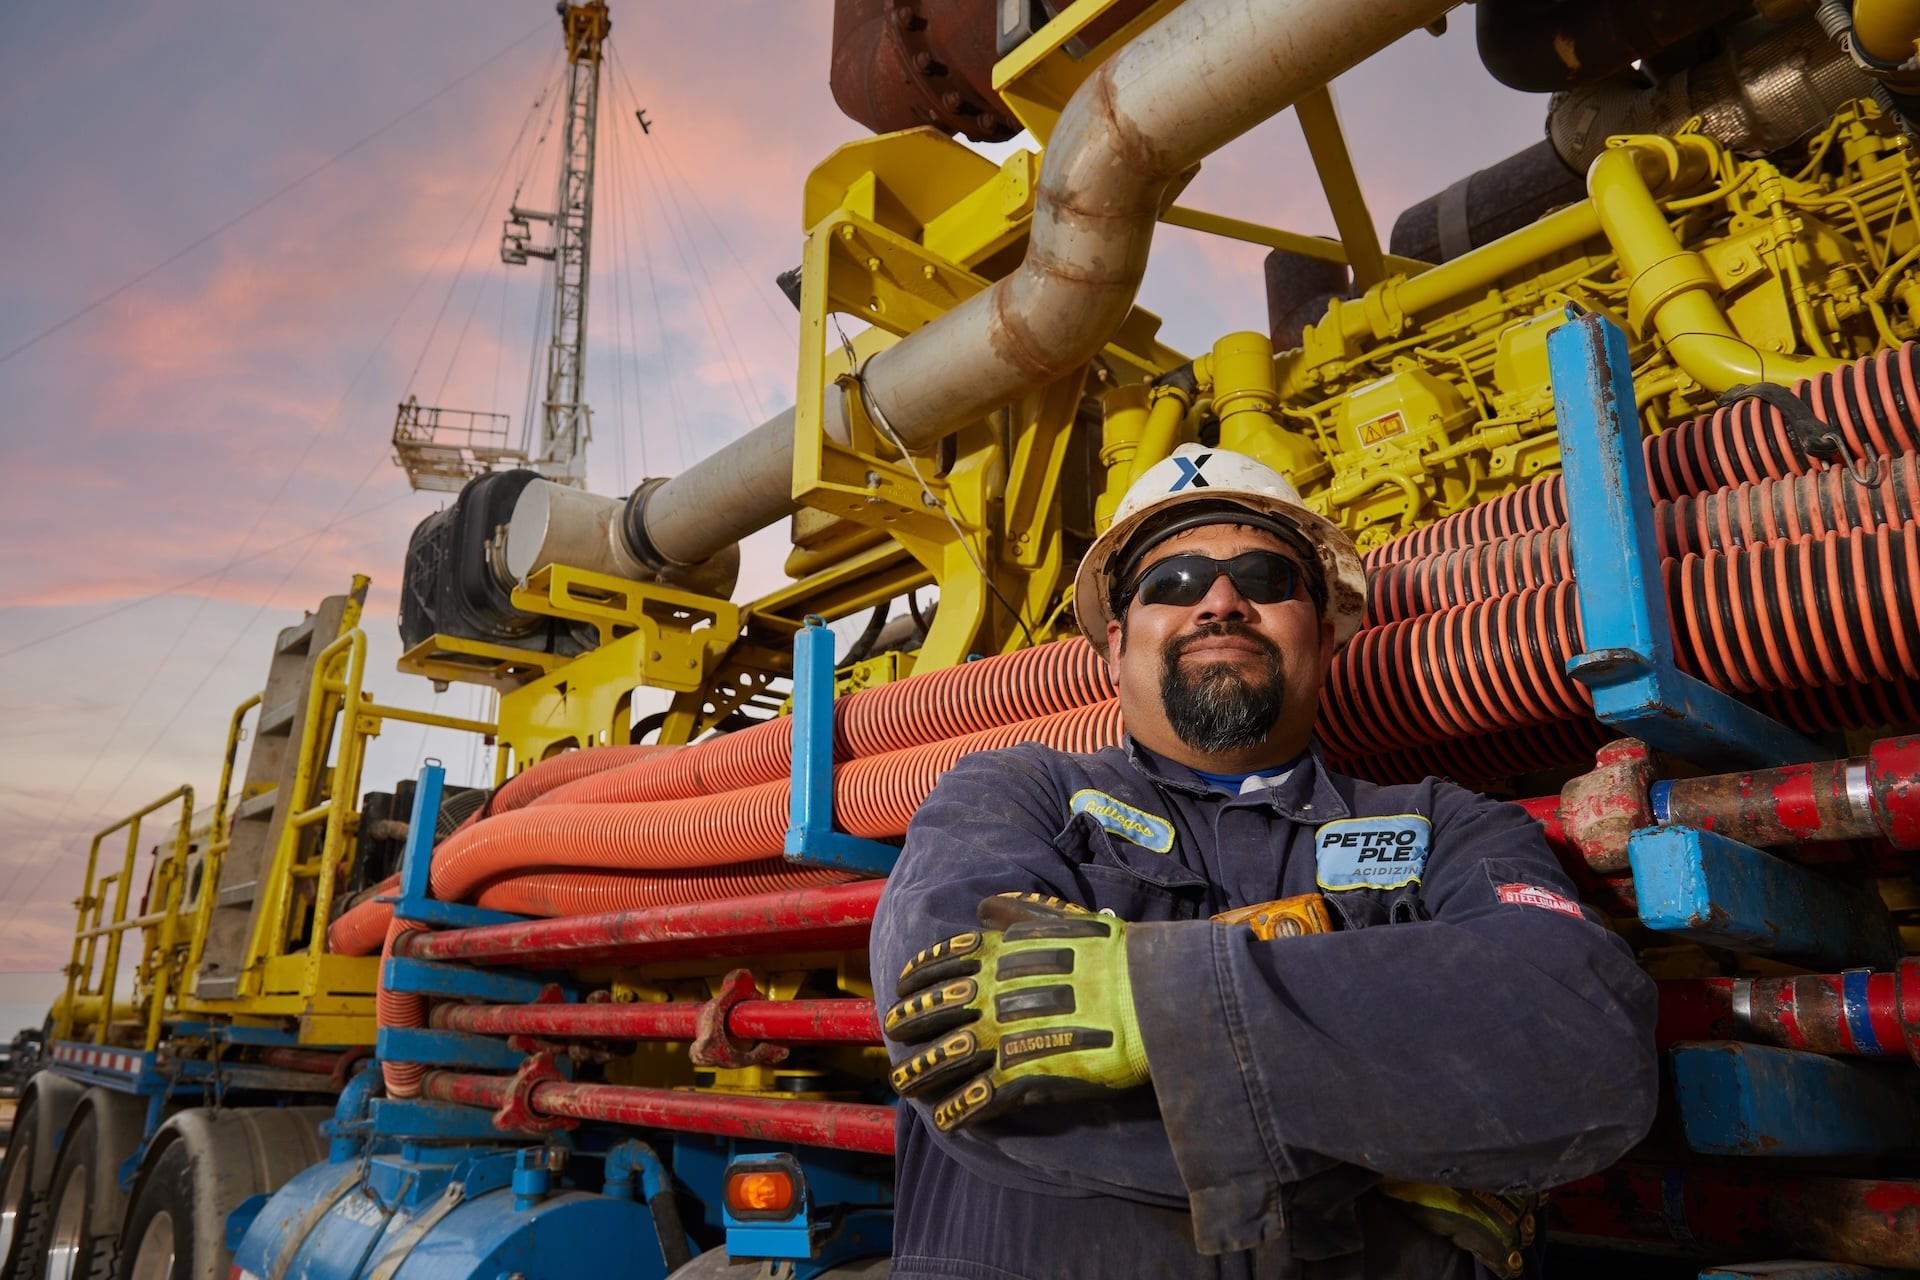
[(1190, 472)]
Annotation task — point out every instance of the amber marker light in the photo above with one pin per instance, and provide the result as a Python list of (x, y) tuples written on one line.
[(762, 1191)]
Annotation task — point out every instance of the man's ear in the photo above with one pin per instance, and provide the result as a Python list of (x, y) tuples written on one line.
[(1326, 648), (1116, 643)]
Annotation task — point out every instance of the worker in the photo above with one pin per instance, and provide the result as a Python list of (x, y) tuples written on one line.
[(1103, 1079)]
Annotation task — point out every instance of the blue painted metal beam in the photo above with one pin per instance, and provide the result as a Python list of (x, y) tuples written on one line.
[(425, 977), (1756, 1100), (810, 835), (445, 1049), (433, 1121), (1705, 887), (1629, 660)]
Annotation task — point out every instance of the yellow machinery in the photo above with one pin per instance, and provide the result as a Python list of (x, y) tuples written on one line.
[(312, 743)]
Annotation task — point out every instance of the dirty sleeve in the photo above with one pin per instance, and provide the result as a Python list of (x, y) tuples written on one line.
[(1503, 1042), (988, 827)]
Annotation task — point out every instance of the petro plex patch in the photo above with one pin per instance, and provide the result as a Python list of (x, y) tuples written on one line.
[(1371, 853)]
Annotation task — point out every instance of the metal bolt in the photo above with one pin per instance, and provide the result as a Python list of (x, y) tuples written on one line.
[(873, 264), (952, 100), (928, 272)]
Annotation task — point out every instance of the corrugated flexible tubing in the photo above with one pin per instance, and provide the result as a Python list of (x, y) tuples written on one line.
[(1871, 402), (1834, 610), (1024, 685), (1764, 511), (359, 930), (874, 797)]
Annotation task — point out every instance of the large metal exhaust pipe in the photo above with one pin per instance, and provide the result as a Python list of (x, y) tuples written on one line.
[(1190, 84)]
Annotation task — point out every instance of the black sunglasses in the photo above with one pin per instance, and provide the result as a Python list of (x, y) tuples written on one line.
[(1264, 577)]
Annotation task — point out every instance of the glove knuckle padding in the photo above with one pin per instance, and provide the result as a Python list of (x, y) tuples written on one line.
[(955, 955), (1034, 962), (1033, 1002), (930, 1013)]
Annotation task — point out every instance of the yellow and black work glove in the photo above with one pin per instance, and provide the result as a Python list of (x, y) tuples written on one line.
[(1035, 1008)]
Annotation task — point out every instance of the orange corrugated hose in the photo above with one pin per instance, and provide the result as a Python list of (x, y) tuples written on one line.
[(582, 893), (361, 927), (875, 797), (945, 704), (396, 1009)]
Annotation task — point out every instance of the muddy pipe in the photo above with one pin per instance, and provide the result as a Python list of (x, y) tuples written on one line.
[(1196, 80)]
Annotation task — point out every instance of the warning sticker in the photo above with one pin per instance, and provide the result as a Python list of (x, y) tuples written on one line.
[(1532, 895), (1384, 427)]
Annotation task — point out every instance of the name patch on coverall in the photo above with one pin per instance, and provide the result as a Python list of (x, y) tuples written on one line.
[(1135, 825), (1371, 853)]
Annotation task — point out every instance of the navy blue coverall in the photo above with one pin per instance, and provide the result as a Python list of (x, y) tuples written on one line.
[(1467, 1024)]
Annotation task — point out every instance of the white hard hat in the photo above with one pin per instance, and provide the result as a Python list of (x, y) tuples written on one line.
[(1194, 475)]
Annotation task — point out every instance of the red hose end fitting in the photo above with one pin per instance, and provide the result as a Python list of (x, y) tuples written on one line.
[(713, 1047), (1893, 778), (1602, 808), (516, 1114)]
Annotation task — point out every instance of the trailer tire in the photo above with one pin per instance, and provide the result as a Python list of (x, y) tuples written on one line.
[(45, 1104), (199, 1168), (85, 1205)]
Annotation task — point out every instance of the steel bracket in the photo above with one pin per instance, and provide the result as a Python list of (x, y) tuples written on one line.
[(1698, 885), (811, 837), (1629, 663)]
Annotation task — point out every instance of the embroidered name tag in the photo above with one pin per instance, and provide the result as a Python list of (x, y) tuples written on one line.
[(1135, 825), (1371, 853)]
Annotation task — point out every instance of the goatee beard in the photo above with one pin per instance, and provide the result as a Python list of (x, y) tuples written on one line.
[(1215, 707)]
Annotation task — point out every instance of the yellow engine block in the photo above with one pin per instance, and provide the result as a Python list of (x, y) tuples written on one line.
[(1429, 393)]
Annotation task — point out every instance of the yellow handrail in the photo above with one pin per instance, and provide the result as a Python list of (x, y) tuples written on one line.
[(167, 874)]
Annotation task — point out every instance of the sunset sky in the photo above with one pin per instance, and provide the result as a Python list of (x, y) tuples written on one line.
[(187, 465)]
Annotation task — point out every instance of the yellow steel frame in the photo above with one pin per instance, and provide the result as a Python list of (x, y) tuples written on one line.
[(90, 996), (286, 976), (650, 634)]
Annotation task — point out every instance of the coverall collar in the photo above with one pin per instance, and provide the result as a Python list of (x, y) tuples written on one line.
[(1306, 795)]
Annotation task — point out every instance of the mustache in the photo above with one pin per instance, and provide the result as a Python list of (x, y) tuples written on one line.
[(1178, 646)]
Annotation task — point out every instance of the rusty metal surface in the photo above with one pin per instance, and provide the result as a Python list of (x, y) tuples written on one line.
[(1601, 808), (1703, 1210), (900, 64), (1775, 806), (1190, 84), (832, 918)]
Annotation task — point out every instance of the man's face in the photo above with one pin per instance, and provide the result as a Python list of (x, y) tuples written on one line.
[(1224, 683)]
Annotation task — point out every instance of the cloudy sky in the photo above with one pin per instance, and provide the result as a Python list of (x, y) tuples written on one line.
[(237, 235)]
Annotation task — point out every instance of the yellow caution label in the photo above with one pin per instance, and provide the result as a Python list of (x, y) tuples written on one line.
[(1384, 427)]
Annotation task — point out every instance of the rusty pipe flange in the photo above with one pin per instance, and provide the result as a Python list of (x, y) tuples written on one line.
[(899, 64), (516, 1114), (714, 1047)]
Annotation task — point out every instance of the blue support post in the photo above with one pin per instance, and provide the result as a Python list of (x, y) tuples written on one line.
[(810, 834), (1698, 885), (1616, 561), (1756, 1100), (415, 901)]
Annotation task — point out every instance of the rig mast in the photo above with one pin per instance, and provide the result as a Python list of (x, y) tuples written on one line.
[(443, 449)]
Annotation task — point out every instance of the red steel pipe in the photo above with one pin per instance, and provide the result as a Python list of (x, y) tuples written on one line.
[(1700, 1209), (1868, 796), (1857, 1014), (779, 1021), (833, 918), (845, 1126)]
